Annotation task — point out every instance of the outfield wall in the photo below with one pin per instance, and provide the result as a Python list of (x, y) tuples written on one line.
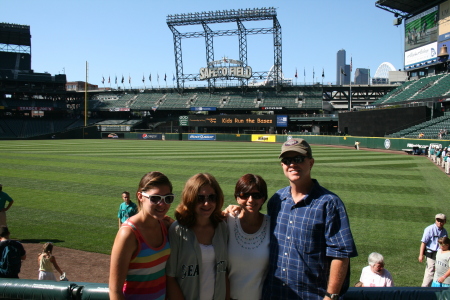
[(364, 142)]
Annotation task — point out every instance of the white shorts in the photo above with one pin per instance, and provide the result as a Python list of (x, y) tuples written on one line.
[(46, 276)]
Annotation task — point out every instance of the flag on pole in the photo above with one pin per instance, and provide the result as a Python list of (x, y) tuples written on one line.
[(295, 72), (342, 72), (150, 77), (165, 77), (173, 78), (103, 80), (129, 79), (116, 79), (323, 73), (314, 73), (143, 78), (351, 65), (157, 77), (304, 72), (122, 78), (109, 79)]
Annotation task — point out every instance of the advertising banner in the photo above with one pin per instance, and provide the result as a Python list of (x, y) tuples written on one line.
[(34, 108), (422, 29), (149, 136), (234, 120), (421, 56), (268, 138), (444, 21), (201, 137), (282, 121), (112, 135)]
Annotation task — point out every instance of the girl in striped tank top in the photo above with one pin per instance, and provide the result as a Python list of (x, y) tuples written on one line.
[(141, 247)]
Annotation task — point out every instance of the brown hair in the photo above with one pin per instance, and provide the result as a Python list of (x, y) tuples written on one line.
[(248, 182), (152, 180), (185, 212), (47, 248), (444, 240)]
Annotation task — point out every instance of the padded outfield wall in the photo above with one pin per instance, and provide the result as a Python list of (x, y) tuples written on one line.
[(397, 144)]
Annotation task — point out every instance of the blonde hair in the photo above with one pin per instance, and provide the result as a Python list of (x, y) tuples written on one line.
[(47, 248)]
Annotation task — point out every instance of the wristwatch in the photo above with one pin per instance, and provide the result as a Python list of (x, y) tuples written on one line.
[(332, 296)]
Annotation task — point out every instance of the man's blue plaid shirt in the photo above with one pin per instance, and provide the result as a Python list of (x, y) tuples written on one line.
[(304, 238)]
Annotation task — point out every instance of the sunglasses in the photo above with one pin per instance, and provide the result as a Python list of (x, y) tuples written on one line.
[(296, 160), (205, 198), (245, 196), (440, 220), (156, 199)]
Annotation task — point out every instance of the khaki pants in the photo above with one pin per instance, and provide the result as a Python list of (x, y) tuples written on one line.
[(429, 273), (2, 219)]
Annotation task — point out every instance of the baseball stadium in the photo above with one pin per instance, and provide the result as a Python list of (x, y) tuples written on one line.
[(69, 148)]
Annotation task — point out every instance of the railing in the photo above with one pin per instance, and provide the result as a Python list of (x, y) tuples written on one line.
[(65, 290)]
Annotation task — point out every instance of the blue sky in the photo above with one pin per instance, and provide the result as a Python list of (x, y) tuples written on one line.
[(131, 38)]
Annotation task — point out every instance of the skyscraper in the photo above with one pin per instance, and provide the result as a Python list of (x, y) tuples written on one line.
[(341, 65)]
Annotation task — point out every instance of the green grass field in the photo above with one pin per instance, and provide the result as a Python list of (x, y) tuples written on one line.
[(68, 191)]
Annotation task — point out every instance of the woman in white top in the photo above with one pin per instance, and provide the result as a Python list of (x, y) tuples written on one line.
[(375, 275), (248, 244)]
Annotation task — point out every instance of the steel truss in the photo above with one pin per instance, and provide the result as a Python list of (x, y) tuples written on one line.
[(225, 16)]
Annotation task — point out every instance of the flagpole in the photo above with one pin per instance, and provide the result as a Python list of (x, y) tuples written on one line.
[(350, 95)]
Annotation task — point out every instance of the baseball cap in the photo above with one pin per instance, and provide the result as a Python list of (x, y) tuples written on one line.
[(441, 216), (297, 145)]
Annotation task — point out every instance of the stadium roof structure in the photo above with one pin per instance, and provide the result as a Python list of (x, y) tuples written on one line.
[(406, 8)]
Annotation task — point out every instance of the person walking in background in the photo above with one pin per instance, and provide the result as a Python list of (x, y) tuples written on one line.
[(375, 275), (141, 247), (311, 242), (248, 245), (4, 197), (429, 246), (12, 255), (46, 263), (197, 266), (126, 209), (357, 145), (442, 272)]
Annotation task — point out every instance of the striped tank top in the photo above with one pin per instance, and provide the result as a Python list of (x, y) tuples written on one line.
[(146, 277)]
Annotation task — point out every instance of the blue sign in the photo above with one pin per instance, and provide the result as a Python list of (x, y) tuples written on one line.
[(202, 137), (203, 108), (282, 121)]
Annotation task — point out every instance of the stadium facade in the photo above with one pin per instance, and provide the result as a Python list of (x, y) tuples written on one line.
[(237, 99)]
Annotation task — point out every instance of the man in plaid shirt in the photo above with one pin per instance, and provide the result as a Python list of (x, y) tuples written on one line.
[(311, 242)]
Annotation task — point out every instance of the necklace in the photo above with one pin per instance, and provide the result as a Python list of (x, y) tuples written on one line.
[(249, 241)]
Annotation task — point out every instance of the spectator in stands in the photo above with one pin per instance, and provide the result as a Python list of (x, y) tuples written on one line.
[(127, 208), (248, 244), (442, 273), (46, 263), (421, 135), (319, 221), (15, 254), (197, 267), (375, 275), (4, 197), (429, 246), (141, 242)]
